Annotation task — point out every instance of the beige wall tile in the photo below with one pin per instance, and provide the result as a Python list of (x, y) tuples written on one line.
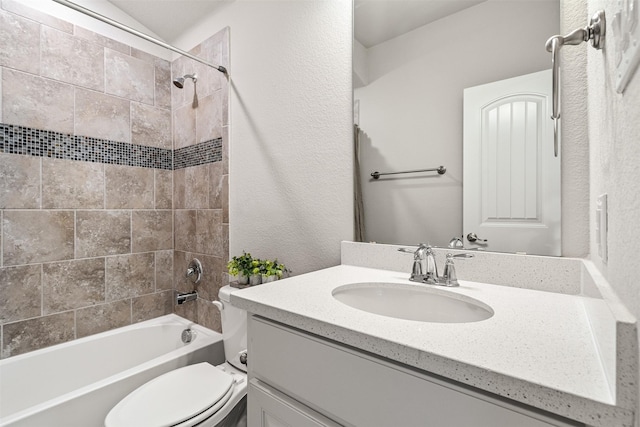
[(208, 80), (72, 284), (21, 290), (209, 118), (20, 41), (150, 126), (188, 310), (37, 236), (212, 278), (225, 243), (209, 315), (36, 102), (179, 188), (163, 83), (215, 185), (68, 184), (153, 305), (129, 276), (163, 189), (128, 187), (33, 334), (164, 270), (152, 230), (196, 187), (211, 282), (100, 233), (209, 232), (102, 116), (145, 56), (181, 260), (71, 59), (184, 126), (225, 148), (103, 317), (224, 95), (185, 230), (19, 182), (129, 77), (24, 10), (180, 67), (101, 40), (225, 199)]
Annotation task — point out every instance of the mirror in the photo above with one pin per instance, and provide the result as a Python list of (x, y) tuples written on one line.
[(412, 62)]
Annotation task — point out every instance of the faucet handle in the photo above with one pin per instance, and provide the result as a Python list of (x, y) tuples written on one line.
[(417, 253), (418, 271), (449, 277), (462, 255)]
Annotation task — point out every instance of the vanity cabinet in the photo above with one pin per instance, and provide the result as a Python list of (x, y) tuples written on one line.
[(298, 379)]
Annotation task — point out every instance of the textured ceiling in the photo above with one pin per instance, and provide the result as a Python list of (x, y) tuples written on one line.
[(169, 18), (375, 20)]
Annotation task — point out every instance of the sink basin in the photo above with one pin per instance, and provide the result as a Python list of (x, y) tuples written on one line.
[(412, 302)]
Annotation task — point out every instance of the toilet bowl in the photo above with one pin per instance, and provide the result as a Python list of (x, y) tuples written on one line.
[(200, 395)]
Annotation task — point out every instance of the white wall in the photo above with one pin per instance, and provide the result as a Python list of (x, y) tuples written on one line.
[(291, 128), (411, 110), (573, 144), (614, 144)]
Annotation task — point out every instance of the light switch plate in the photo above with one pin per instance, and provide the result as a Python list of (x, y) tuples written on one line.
[(602, 227), (626, 34)]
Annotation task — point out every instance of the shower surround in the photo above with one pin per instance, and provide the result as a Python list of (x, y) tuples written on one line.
[(110, 182)]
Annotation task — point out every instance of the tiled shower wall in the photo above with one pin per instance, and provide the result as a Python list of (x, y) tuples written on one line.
[(87, 182), (200, 191)]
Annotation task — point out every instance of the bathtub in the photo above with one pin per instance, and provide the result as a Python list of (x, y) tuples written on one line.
[(75, 384)]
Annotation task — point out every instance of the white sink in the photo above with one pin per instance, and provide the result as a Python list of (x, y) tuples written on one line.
[(412, 302)]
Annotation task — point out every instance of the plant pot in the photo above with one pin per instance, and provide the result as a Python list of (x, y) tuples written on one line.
[(267, 279), (255, 279), (242, 279)]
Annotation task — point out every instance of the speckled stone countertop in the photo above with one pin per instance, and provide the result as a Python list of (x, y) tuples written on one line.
[(537, 348)]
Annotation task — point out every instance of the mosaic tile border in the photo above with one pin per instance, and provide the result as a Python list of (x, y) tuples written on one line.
[(27, 141), (198, 154)]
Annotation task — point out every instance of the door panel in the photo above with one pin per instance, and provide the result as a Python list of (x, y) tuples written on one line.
[(511, 185)]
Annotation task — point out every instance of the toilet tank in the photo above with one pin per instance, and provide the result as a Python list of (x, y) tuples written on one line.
[(234, 328)]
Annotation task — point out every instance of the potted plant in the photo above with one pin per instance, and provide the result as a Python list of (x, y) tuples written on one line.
[(241, 268), (255, 273), (272, 270)]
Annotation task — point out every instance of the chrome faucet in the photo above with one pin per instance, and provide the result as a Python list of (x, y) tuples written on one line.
[(425, 267), (181, 298)]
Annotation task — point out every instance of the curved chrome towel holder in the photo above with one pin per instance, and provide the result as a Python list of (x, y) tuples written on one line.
[(595, 32)]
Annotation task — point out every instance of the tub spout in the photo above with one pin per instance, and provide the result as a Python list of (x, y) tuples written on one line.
[(189, 296)]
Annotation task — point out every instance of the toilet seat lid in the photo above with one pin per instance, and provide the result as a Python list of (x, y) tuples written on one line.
[(172, 398)]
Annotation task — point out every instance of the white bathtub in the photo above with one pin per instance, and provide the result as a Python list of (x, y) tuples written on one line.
[(75, 384)]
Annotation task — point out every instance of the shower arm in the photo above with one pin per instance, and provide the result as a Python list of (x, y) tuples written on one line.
[(137, 33), (595, 32)]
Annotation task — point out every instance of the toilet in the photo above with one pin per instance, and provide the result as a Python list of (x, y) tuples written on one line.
[(199, 395)]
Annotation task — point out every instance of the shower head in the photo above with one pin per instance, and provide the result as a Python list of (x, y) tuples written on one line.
[(179, 82)]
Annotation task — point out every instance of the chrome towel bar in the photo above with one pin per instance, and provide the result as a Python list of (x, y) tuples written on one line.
[(441, 170)]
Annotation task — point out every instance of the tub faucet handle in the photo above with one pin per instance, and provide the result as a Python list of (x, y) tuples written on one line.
[(194, 271)]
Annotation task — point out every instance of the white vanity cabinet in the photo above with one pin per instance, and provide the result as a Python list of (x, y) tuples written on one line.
[(299, 380)]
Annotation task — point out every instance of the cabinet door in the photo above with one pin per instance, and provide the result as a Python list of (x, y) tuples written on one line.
[(269, 408), (357, 389)]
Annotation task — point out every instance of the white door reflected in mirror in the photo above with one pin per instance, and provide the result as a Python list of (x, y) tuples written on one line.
[(511, 187)]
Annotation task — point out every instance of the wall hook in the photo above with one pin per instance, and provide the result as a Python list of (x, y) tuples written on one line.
[(595, 32)]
